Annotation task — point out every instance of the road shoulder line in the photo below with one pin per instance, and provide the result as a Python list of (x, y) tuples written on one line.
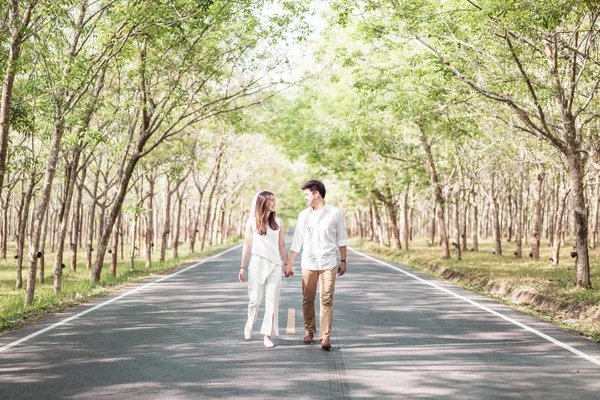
[(557, 342), (114, 299)]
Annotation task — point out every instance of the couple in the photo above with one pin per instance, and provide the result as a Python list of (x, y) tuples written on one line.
[(320, 231)]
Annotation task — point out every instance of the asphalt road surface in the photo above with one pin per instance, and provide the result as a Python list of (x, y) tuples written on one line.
[(397, 334)]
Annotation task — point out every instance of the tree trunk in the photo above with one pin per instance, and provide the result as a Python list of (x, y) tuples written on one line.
[(475, 228), (558, 226), (596, 203), (437, 193), (580, 218), (196, 225), (166, 223), (537, 224), (92, 217), (34, 244), (388, 200), (62, 234), (43, 249), (177, 224), (23, 228), (464, 220), (432, 225), (150, 221), (371, 225), (406, 224), (511, 218), (496, 216), (115, 210), (457, 245), (520, 218), (5, 206), (134, 219), (115, 246), (379, 225), (77, 221)]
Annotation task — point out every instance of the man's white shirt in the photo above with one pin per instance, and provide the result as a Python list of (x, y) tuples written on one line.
[(319, 233)]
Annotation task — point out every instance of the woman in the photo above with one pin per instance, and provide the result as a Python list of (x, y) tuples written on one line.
[(264, 239)]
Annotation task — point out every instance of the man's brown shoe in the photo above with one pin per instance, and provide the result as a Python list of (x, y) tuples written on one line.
[(308, 339), (325, 345)]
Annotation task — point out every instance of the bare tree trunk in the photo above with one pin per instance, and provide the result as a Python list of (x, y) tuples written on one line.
[(511, 218), (551, 218), (558, 228), (520, 217), (372, 223), (596, 203), (115, 246), (43, 249), (210, 199), (464, 220), (77, 221), (379, 225), (195, 225), (149, 220), (457, 245), (406, 225), (92, 217), (392, 208), (53, 230), (177, 223), (579, 217), (437, 193), (496, 216), (34, 244), (475, 229), (5, 210), (537, 225), (166, 223), (134, 219), (432, 225), (62, 234), (24, 218)]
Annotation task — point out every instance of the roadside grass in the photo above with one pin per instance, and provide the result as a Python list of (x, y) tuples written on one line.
[(557, 282), (76, 286)]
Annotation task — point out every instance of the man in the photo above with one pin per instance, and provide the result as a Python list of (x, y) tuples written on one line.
[(320, 231)]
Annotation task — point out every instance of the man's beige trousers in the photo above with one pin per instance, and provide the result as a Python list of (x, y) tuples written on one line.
[(309, 292)]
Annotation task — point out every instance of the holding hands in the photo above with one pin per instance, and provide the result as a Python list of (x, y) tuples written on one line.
[(289, 269)]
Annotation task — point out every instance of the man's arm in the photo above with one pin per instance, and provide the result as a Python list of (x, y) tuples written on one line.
[(296, 245), (341, 242)]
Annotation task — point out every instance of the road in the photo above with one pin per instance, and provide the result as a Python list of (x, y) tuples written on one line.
[(398, 334)]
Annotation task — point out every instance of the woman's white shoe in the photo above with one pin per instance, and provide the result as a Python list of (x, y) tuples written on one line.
[(247, 333), (267, 342)]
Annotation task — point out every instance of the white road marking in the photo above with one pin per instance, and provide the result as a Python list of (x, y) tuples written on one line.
[(557, 342), (291, 321), (139, 288)]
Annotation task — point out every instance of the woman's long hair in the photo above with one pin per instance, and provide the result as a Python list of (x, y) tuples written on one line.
[(263, 216)]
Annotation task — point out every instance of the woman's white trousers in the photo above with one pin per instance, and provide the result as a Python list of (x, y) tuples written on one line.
[(264, 279)]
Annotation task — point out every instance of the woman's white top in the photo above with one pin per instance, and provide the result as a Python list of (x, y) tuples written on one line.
[(267, 246)]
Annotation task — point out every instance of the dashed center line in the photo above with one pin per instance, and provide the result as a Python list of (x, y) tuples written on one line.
[(291, 322)]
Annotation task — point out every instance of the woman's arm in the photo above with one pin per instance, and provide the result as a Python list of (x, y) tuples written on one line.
[(282, 249), (246, 249)]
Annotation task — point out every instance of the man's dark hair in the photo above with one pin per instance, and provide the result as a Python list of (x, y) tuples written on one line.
[(314, 186)]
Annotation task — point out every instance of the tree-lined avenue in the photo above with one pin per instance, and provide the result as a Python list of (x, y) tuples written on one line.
[(394, 337)]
